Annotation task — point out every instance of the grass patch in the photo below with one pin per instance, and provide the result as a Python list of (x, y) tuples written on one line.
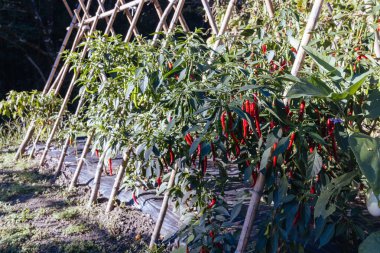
[(7, 162), (75, 229), (81, 247), (10, 237), (68, 214)]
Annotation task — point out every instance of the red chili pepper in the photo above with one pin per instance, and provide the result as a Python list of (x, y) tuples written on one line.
[(170, 65), (237, 150), (297, 217), (311, 149), (159, 181), (293, 50), (272, 124), (199, 149), (274, 157), (213, 152), (97, 153), (212, 203), (312, 189), (290, 174), (176, 76), (330, 130), (110, 166), (211, 234), (264, 48), (254, 178), (189, 140), (301, 111), (204, 165), (257, 117), (291, 140), (134, 198), (171, 154), (223, 122)]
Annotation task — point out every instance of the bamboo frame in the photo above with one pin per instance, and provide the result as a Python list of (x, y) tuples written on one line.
[(68, 8), (210, 17)]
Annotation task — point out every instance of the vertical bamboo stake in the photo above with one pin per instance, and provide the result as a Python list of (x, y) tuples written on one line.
[(134, 20), (116, 185), (81, 160), (164, 208), (31, 155), (259, 187), (182, 20), (210, 17), (98, 174), (312, 21), (28, 136)]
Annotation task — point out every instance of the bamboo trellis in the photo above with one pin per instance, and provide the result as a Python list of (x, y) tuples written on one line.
[(83, 22)]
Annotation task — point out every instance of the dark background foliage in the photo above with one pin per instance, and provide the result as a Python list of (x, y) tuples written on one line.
[(31, 33)]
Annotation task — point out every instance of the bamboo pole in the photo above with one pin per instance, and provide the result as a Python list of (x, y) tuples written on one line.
[(67, 140), (68, 8), (67, 96), (98, 174), (176, 15), (134, 20), (29, 134), (269, 8), (182, 20), (163, 210), (224, 24), (59, 55), (78, 169), (101, 5), (311, 23), (210, 17), (158, 8), (117, 183), (162, 21), (31, 155), (109, 13), (130, 18), (370, 20), (259, 186)]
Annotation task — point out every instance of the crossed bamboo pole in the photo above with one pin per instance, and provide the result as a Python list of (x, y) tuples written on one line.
[(259, 186)]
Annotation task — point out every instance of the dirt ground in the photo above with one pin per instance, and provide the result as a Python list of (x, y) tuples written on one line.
[(37, 215)]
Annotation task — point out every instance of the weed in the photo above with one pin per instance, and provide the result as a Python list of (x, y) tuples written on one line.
[(75, 229), (68, 214)]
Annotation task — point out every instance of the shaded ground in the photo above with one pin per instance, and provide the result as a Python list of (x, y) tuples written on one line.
[(36, 216)]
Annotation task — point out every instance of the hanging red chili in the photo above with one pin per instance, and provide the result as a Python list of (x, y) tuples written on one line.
[(293, 50), (171, 154), (301, 111), (97, 153), (159, 181), (189, 140), (256, 114), (134, 198), (291, 141), (110, 166), (330, 131), (274, 157), (264, 48), (312, 189), (204, 165), (170, 65), (223, 122), (297, 217), (212, 203), (213, 152)]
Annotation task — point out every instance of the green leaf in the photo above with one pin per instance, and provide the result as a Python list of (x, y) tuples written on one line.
[(322, 60), (327, 235), (307, 89), (222, 210), (366, 150), (372, 105), (371, 243), (354, 86), (236, 211), (265, 158), (194, 145), (314, 164)]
